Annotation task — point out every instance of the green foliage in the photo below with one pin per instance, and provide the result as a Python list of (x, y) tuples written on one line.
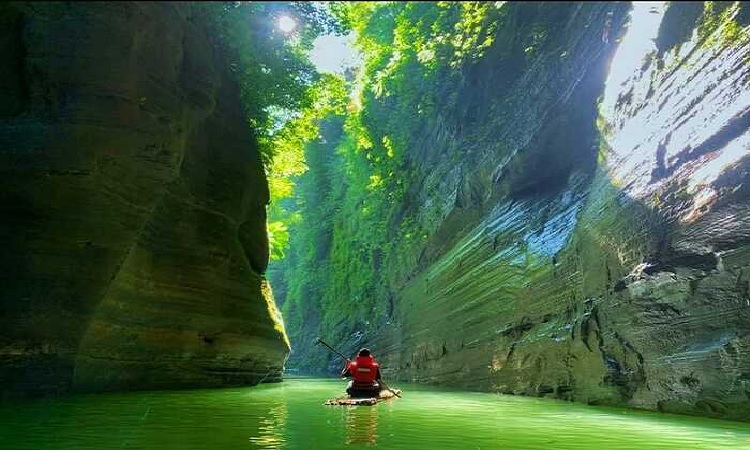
[(719, 25), (272, 71), (282, 93), (359, 229), (278, 238), (328, 97), (349, 202), (275, 75)]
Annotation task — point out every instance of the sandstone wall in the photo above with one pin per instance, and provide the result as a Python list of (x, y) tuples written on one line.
[(133, 204)]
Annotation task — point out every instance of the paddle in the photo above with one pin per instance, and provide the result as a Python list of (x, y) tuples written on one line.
[(321, 341)]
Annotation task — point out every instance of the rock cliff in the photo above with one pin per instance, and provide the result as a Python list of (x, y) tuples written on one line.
[(133, 205), (622, 281), (586, 221)]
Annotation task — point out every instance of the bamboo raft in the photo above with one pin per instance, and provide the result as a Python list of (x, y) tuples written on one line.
[(385, 394)]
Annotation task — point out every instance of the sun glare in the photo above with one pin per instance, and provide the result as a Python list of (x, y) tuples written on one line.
[(333, 54), (287, 24)]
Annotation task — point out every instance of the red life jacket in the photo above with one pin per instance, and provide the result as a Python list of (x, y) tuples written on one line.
[(364, 369)]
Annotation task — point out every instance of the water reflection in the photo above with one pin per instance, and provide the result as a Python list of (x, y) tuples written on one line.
[(271, 429), (292, 416), (361, 425)]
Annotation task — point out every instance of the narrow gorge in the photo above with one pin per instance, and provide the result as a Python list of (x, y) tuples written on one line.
[(546, 199)]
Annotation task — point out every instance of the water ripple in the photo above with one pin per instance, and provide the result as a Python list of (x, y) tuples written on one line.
[(291, 415)]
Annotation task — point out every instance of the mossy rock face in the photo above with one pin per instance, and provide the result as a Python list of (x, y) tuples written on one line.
[(133, 205), (559, 262)]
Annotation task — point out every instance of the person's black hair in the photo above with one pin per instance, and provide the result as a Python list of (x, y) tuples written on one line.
[(364, 352)]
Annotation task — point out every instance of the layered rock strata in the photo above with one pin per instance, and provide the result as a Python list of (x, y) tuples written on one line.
[(587, 221), (133, 205), (624, 283)]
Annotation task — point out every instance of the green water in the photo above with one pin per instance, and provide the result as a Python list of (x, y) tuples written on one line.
[(291, 415)]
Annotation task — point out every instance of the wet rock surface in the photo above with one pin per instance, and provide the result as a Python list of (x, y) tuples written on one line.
[(623, 285), (133, 205), (590, 243)]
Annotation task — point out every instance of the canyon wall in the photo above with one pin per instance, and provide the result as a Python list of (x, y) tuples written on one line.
[(583, 223), (133, 205)]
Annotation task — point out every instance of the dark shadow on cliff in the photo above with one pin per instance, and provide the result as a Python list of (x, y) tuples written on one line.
[(133, 204)]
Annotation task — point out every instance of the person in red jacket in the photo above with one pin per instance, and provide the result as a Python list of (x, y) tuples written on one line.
[(365, 374)]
